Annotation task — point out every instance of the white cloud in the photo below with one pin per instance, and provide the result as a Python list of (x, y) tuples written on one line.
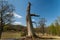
[(33, 19), (17, 23), (17, 15)]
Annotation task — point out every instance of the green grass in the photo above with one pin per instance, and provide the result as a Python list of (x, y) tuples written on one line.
[(11, 35)]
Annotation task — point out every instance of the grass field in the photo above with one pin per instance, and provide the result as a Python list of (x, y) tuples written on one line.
[(11, 35), (17, 35)]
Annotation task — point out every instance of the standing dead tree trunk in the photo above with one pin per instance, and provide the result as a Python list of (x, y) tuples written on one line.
[(29, 22)]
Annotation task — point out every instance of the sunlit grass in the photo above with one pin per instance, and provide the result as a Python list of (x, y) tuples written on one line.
[(11, 35)]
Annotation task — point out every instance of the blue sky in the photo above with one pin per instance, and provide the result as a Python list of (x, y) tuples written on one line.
[(48, 9)]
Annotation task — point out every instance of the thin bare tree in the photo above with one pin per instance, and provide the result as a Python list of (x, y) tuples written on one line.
[(6, 14), (42, 25)]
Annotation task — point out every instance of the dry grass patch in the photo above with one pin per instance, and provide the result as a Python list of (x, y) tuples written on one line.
[(11, 35)]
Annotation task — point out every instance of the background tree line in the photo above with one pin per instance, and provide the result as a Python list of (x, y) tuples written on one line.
[(52, 29)]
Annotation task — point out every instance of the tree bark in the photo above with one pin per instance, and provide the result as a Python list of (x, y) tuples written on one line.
[(1, 29), (29, 22)]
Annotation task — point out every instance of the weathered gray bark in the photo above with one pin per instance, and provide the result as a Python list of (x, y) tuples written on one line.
[(29, 22)]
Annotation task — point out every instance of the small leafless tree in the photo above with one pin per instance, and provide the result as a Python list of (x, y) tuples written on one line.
[(6, 14), (42, 25)]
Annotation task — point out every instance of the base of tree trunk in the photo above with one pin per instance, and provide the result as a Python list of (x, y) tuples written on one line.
[(34, 36), (0, 34)]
